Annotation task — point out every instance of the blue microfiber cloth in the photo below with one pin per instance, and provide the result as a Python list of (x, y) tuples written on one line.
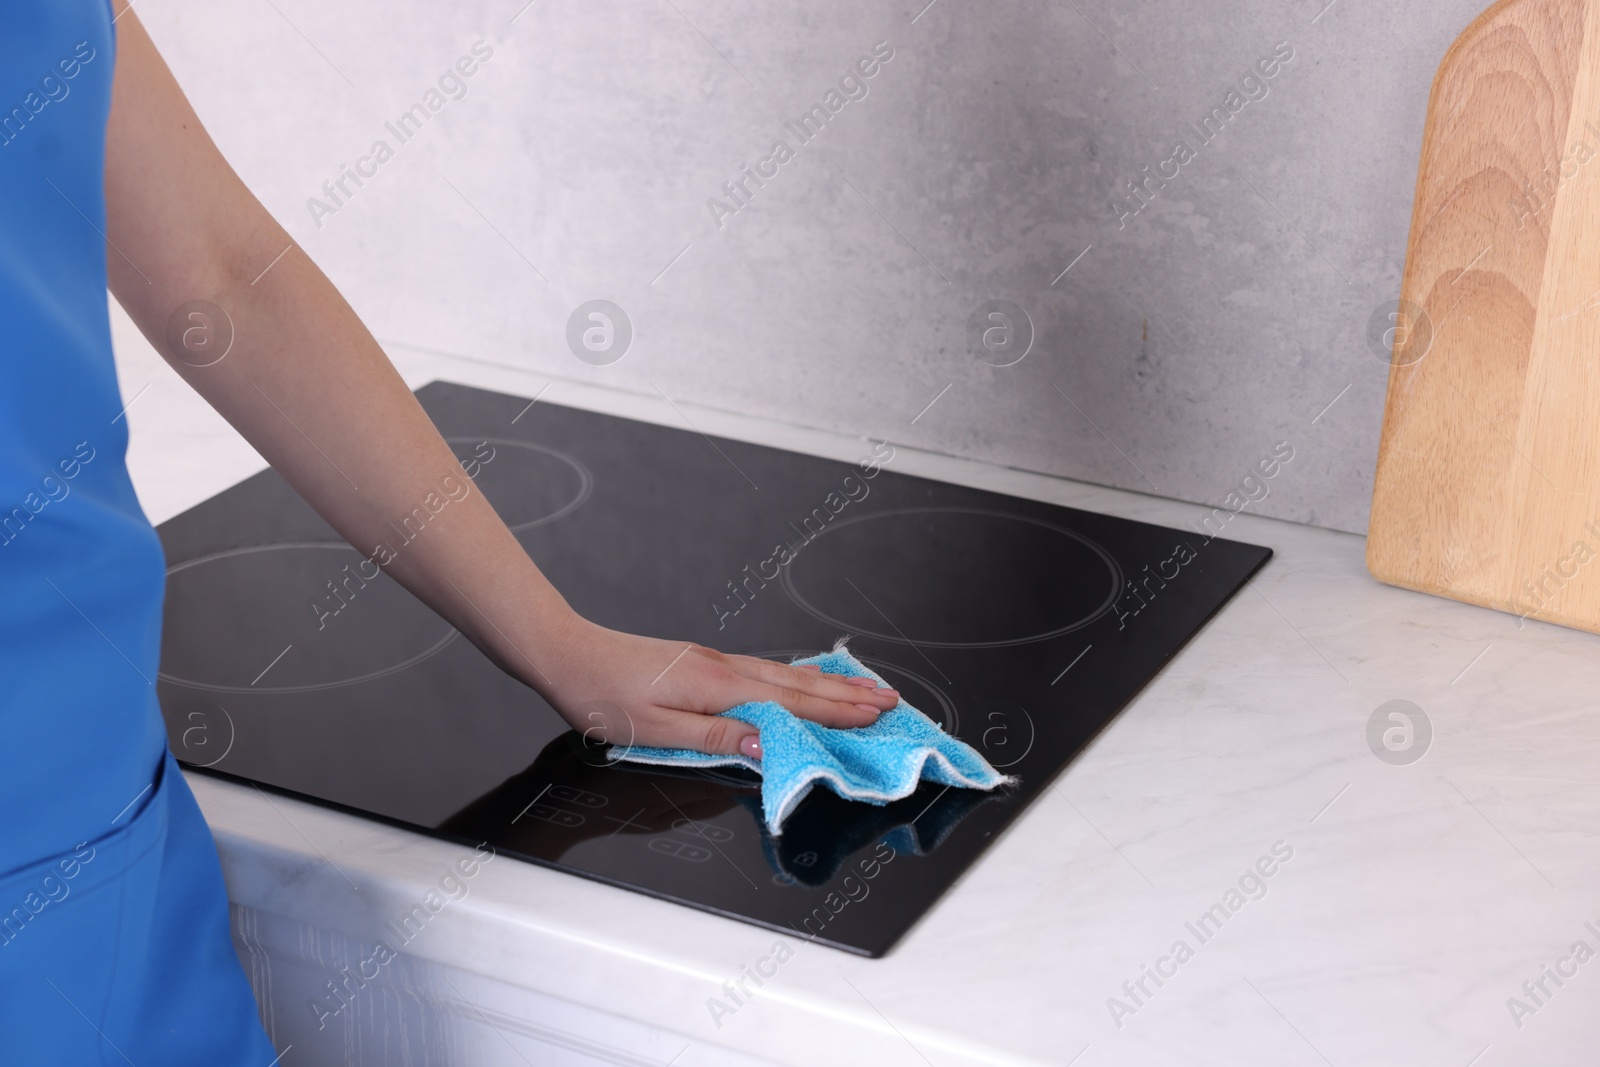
[(877, 763)]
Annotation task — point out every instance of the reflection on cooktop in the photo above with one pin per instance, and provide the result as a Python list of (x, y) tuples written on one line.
[(568, 797), (288, 660)]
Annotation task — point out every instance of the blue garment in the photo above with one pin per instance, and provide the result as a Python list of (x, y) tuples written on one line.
[(114, 941), (878, 763)]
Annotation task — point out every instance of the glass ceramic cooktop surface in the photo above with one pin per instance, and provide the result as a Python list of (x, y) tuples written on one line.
[(1023, 628)]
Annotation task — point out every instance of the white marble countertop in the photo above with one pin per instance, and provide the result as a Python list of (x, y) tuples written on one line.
[(1417, 900)]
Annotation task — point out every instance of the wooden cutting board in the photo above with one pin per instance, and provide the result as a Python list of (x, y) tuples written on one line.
[(1489, 465)]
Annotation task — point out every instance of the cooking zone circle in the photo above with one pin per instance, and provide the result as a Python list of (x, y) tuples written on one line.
[(310, 615), (528, 484), (246, 621), (978, 579)]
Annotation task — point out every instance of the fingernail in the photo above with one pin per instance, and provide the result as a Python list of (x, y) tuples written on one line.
[(860, 681), (750, 745), (869, 707), (886, 691)]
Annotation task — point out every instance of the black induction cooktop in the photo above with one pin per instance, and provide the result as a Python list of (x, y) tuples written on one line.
[(1022, 627)]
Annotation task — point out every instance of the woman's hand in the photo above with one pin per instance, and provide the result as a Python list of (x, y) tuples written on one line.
[(630, 690)]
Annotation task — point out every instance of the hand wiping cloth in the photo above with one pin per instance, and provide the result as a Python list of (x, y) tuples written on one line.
[(876, 764)]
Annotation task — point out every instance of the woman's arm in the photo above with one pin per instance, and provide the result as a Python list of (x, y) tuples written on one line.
[(307, 385)]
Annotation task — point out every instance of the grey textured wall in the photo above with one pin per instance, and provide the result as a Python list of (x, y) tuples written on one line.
[(986, 155)]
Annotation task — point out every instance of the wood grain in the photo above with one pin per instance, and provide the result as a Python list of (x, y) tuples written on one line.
[(1490, 454)]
